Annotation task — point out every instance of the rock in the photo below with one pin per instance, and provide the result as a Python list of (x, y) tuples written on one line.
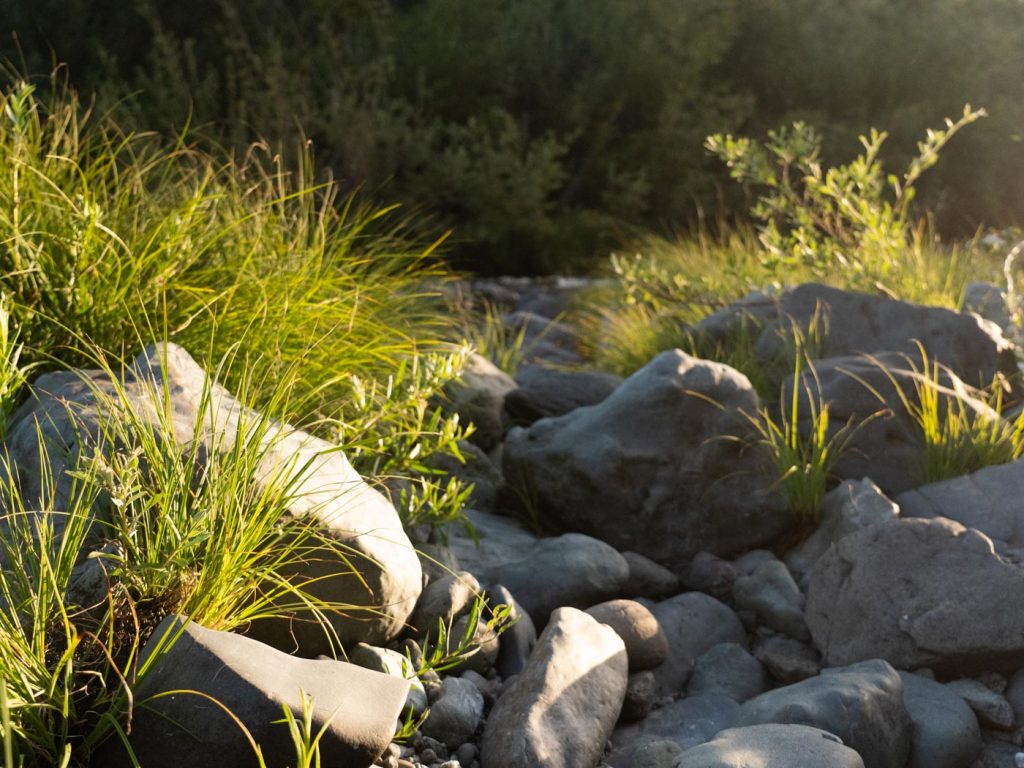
[(945, 732), (686, 722), (771, 746), (516, 642), (861, 704), (70, 408), (486, 641), (643, 469), (454, 717), (568, 570), (437, 561), (545, 340), (870, 392), (918, 593), (392, 663), (478, 396), (656, 754), (728, 669), (648, 579), (987, 500), (90, 581), (641, 693), (992, 709), (749, 562), (443, 601), (1015, 695), (477, 469), (996, 753), (561, 710), (711, 575), (544, 393), (988, 301), (355, 709), (693, 624), (646, 646), (848, 507), (773, 595), (787, 661), (466, 754), (499, 540), (856, 323)]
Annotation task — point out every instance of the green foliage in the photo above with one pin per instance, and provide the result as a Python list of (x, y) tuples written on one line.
[(848, 217)]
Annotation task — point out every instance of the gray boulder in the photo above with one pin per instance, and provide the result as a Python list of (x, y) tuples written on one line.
[(1015, 695), (992, 709), (561, 710), (477, 470), (848, 507), (455, 716), (444, 600), (686, 723), (711, 575), (787, 660), (477, 398), (728, 669), (946, 733), (356, 708), (517, 641), (641, 696), (858, 323), (543, 393), (987, 500), (772, 594), (68, 410), (646, 646), (648, 579), (918, 593), (656, 754), (987, 300), (861, 704), (499, 540), (644, 469), (771, 746)]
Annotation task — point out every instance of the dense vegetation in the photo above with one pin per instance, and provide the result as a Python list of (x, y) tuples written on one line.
[(547, 132)]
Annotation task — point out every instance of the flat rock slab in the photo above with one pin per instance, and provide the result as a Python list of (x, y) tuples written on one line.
[(644, 470), (562, 708), (357, 708), (771, 746), (918, 593)]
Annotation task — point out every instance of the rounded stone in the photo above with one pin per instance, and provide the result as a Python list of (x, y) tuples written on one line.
[(646, 645)]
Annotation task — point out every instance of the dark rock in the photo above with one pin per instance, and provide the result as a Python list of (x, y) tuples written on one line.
[(992, 710), (946, 732), (648, 579), (646, 646), (711, 575), (687, 723), (640, 697), (772, 594), (454, 717), (543, 393), (517, 641), (728, 669), (478, 396), (787, 661)]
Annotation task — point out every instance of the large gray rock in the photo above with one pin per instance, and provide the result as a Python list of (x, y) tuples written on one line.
[(858, 323), (543, 393), (356, 708), (477, 398), (872, 393), (67, 411), (561, 710), (686, 723), (988, 500), (644, 470), (693, 624), (862, 704), (771, 746), (728, 669), (569, 570), (645, 641), (918, 593), (848, 507), (946, 733), (455, 716)]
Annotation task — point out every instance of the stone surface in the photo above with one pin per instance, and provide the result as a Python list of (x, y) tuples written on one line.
[(988, 301), (499, 540), (861, 704), (946, 733), (728, 669), (641, 693), (1015, 695), (561, 710), (568, 570), (773, 595), (988, 500), (656, 754), (643, 469), (648, 579), (454, 717), (356, 708), (395, 664), (865, 323), (918, 593), (646, 646), (444, 600), (686, 722), (771, 746), (477, 469), (545, 340), (848, 507), (70, 408), (710, 574), (544, 393), (693, 623), (516, 642), (787, 660), (478, 396), (992, 710)]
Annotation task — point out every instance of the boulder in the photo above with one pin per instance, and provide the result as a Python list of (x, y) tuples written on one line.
[(545, 341), (646, 646), (787, 660), (861, 704), (686, 723), (848, 507), (477, 398), (856, 323), (918, 593), (477, 470), (644, 469), (711, 575), (544, 392), (987, 500), (561, 710), (498, 540), (1015, 695), (656, 754), (648, 579), (992, 709), (987, 300), (728, 669), (641, 696), (772, 594), (569, 570), (771, 746), (455, 716), (518, 640), (69, 411), (946, 733), (444, 600), (176, 723)]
